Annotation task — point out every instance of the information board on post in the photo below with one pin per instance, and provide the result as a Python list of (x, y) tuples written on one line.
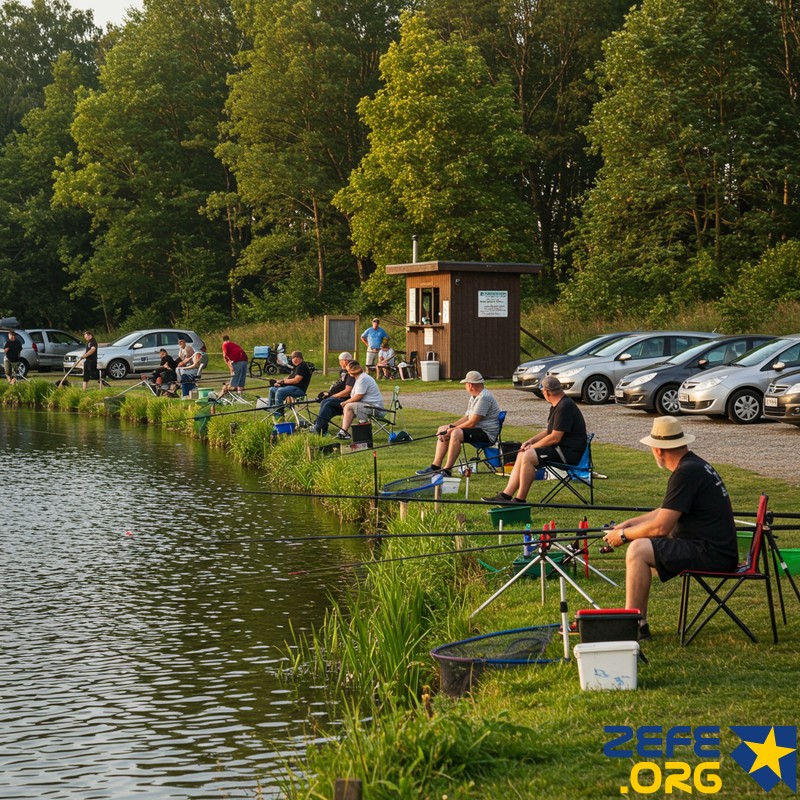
[(341, 333)]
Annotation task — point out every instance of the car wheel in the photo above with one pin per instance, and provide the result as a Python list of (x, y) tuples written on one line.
[(23, 369), (117, 369), (597, 390), (744, 406), (666, 401)]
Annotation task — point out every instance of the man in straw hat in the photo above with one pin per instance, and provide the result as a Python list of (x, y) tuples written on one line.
[(563, 440), (692, 529), (480, 423)]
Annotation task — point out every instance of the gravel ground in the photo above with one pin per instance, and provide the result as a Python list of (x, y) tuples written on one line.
[(766, 448)]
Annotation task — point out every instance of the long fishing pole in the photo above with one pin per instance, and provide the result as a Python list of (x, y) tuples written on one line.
[(596, 533), (267, 409), (395, 498), (377, 562)]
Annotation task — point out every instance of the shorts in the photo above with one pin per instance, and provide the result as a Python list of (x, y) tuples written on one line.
[(90, 372), (476, 436), (372, 357), (673, 556), (365, 411), (545, 454), (239, 374)]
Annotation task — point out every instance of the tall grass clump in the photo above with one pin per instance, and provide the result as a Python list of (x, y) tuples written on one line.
[(293, 462), (65, 398), (408, 754), (135, 408), (221, 429), (250, 444), (344, 476)]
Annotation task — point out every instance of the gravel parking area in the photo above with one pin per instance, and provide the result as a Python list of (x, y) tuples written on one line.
[(766, 448)]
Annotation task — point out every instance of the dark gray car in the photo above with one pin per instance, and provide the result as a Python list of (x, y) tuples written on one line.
[(528, 375), (656, 388)]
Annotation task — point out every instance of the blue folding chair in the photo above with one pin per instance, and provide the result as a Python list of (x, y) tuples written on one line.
[(488, 452), (575, 477)]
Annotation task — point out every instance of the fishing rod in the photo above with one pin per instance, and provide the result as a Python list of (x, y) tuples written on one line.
[(377, 562), (377, 447), (402, 498), (595, 533), (267, 409)]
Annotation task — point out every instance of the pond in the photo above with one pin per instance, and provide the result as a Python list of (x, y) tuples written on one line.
[(140, 652)]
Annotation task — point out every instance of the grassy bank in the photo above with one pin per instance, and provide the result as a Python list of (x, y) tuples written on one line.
[(525, 733)]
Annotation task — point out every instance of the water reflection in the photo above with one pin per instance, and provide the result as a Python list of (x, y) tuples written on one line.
[(139, 653)]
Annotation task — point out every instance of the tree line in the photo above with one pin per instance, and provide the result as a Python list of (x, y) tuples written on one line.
[(252, 159)]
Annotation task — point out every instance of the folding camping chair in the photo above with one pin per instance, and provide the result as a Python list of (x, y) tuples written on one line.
[(385, 419), (746, 572), (575, 477), (488, 452)]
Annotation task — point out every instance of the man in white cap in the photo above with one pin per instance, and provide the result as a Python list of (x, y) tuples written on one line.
[(692, 529), (331, 401), (563, 440), (480, 423)]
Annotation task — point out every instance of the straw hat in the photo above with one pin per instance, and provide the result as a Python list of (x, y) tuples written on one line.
[(666, 434)]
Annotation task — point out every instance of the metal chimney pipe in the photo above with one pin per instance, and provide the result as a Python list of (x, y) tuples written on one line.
[(414, 248)]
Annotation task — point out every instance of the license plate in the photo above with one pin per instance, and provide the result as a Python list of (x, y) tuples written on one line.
[(771, 401), (683, 397), (618, 393)]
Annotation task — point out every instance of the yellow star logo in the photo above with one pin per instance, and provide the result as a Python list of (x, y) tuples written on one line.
[(768, 753)]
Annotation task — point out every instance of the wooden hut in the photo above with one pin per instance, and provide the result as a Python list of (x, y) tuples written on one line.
[(465, 314)]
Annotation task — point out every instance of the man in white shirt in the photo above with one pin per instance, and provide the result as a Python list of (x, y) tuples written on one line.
[(365, 393)]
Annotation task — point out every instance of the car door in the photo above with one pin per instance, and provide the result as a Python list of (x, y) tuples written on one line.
[(53, 346), (790, 358), (647, 351), (144, 353), (169, 341)]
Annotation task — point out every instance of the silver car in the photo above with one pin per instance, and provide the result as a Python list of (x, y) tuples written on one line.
[(593, 378), (52, 345), (136, 352), (737, 390)]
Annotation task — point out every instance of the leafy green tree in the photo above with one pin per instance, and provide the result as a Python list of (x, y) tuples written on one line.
[(145, 167), (445, 147), (32, 35), (32, 233), (293, 139), (699, 141)]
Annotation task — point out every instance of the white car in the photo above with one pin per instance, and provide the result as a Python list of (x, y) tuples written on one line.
[(737, 390), (593, 378), (136, 352)]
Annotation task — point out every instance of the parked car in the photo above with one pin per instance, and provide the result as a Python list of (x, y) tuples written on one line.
[(656, 388), (782, 400), (136, 352), (593, 378), (29, 358), (52, 345), (737, 390), (528, 376)]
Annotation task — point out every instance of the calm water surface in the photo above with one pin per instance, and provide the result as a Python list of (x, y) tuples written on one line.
[(139, 652)]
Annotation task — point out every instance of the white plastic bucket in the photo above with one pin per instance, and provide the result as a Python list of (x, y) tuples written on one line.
[(608, 665), (429, 370)]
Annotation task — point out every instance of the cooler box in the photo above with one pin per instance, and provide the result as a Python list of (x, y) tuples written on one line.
[(429, 370), (608, 624), (261, 352), (608, 665), (285, 428)]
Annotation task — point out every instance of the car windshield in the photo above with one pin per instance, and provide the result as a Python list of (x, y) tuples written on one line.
[(758, 354), (127, 341), (590, 345), (617, 346)]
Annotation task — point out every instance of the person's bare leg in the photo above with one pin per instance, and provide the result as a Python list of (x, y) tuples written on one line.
[(454, 447), (441, 450), (513, 479), (639, 564), (347, 417), (527, 472)]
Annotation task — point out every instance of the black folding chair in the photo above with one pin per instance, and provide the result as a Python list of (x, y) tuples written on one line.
[(713, 582), (490, 453), (578, 478)]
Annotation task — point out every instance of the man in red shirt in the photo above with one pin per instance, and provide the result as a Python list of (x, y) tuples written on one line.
[(236, 359)]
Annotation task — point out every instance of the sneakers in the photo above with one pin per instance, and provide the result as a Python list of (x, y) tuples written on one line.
[(644, 632), (498, 498), (431, 470), (344, 436)]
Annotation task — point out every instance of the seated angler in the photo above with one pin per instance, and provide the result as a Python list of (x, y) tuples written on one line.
[(365, 396), (480, 424), (563, 441), (294, 384), (331, 401), (166, 371)]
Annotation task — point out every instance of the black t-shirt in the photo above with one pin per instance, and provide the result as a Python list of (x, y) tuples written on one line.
[(89, 345), (697, 491), (304, 372), (169, 362), (13, 349), (566, 417), (341, 383)]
